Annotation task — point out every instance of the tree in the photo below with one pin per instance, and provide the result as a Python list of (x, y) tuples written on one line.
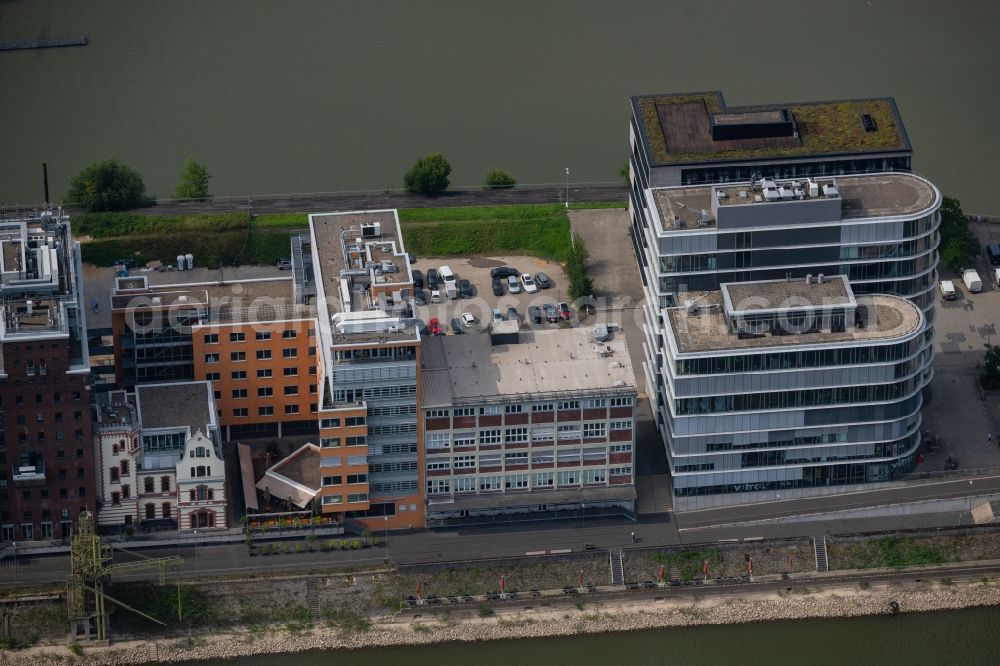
[(580, 284), (498, 179), (107, 185), (623, 171), (429, 175), (959, 246), (194, 182)]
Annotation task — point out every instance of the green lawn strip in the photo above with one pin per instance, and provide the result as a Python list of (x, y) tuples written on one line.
[(889, 552), (689, 563)]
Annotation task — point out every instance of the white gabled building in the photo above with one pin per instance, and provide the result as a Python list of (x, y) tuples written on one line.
[(201, 485)]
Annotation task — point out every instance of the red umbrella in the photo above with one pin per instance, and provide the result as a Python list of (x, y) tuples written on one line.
[(662, 570), (503, 584), (418, 588), (751, 566), (704, 569)]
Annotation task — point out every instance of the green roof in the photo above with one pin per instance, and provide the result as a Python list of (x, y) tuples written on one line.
[(823, 128)]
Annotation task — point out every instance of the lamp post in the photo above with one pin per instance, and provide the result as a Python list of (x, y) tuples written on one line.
[(386, 519), (197, 569), (583, 515), (567, 187)]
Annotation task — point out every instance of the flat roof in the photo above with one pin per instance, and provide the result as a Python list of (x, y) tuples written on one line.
[(175, 405), (861, 196), (707, 330), (549, 363), (676, 128), (765, 295)]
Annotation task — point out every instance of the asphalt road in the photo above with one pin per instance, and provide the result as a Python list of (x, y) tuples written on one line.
[(311, 203)]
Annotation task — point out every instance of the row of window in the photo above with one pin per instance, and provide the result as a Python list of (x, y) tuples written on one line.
[(43, 493), (40, 398), (352, 498), (58, 417), (267, 391), (261, 354), (593, 403), (339, 480), (334, 442), (42, 438), (521, 434), (239, 336), (262, 373), (813, 358), (349, 422), (524, 481), (536, 457), (268, 410), (793, 399)]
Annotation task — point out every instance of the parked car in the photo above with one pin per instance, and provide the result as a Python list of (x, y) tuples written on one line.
[(564, 312), (420, 296), (435, 295), (432, 278), (542, 280), (497, 315), (497, 287), (513, 315), (504, 272), (551, 313), (534, 314), (456, 326), (418, 279), (285, 265), (464, 289), (529, 283), (469, 320), (434, 326), (513, 286)]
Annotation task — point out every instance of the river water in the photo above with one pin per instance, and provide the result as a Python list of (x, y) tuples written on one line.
[(968, 638), (278, 97)]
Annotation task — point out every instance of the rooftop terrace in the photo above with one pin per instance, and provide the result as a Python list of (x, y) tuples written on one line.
[(553, 363), (678, 128), (767, 295), (861, 196), (707, 330)]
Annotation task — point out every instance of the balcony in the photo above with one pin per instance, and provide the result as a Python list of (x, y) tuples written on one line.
[(30, 474)]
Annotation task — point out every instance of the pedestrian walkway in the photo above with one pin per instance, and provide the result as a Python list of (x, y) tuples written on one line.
[(653, 494)]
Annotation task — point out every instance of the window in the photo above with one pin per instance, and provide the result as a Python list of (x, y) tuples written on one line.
[(620, 448), (569, 432), (264, 373), (543, 407), (464, 462), (312, 369), (517, 458), (217, 394), (465, 439), (543, 480), (359, 440), (165, 507), (239, 374), (515, 481), (569, 404), (265, 391), (291, 390), (464, 484), (113, 471), (465, 411), (329, 442), (595, 403), (290, 372), (291, 409), (621, 425), (489, 437), (594, 475), (357, 478), (239, 394), (267, 410), (569, 478), (438, 440), (312, 351), (354, 421), (621, 402), (149, 485), (289, 334), (124, 467), (620, 471), (438, 486), (490, 482), (312, 332), (164, 484), (213, 376), (262, 335), (329, 423), (263, 354), (357, 460), (211, 338), (333, 499), (126, 492), (513, 409), (312, 390), (489, 410), (542, 434), (332, 480), (596, 429), (437, 413), (150, 511), (289, 352), (212, 358), (516, 435), (357, 497), (242, 411), (237, 337), (438, 464), (238, 356), (116, 499)]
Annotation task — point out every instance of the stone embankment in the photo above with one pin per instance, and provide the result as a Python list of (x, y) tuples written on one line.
[(672, 610)]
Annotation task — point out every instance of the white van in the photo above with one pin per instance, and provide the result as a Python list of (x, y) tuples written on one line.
[(435, 295), (947, 290), (448, 282), (972, 282)]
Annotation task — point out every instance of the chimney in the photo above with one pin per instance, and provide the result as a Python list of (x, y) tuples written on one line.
[(819, 279), (809, 278)]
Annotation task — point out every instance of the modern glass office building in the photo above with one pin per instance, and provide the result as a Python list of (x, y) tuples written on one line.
[(790, 384)]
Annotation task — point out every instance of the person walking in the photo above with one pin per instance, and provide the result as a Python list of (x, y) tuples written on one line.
[(633, 537)]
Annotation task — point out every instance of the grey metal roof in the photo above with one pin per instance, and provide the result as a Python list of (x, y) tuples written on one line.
[(176, 405)]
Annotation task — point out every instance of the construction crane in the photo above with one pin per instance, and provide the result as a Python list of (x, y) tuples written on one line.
[(91, 566)]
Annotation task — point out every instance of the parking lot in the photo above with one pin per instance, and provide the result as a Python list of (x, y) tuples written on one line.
[(483, 300)]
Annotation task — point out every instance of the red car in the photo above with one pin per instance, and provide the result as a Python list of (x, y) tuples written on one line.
[(434, 326), (565, 312)]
